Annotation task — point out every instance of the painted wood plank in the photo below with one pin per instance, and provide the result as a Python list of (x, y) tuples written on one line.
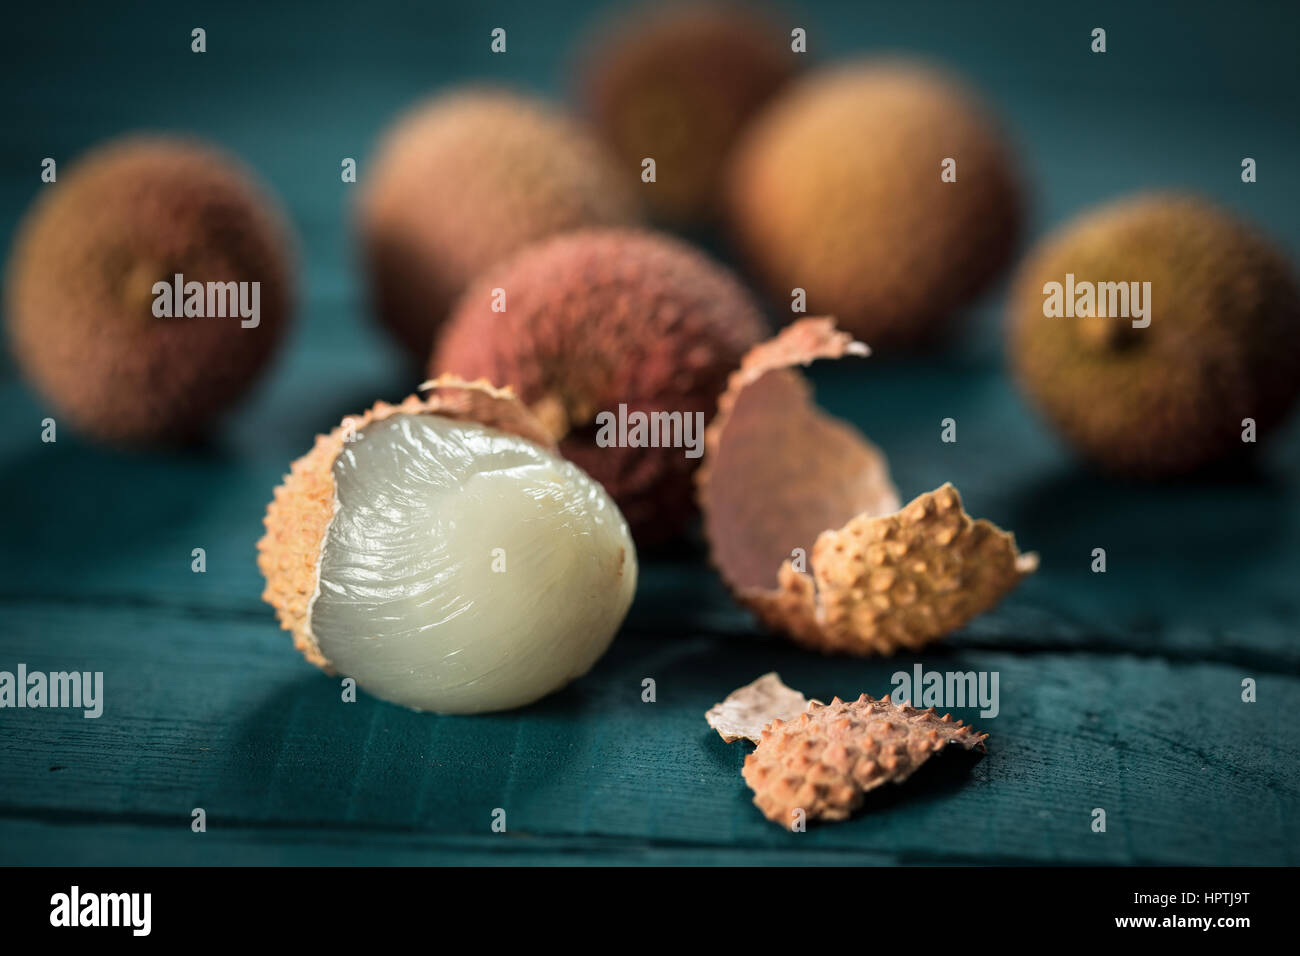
[(261, 740)]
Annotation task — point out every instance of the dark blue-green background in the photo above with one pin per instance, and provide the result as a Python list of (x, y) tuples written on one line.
[(1119, 691)]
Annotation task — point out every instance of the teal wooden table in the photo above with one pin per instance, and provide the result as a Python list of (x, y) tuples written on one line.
[(1119, 691)]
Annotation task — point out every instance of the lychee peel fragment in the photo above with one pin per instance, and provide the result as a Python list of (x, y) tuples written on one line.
[(747, 710), (825, 761), (887, 578), (299, 516)]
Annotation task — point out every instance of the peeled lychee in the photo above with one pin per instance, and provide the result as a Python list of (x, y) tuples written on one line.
[(83, 311), (583, 325), (467, 178), (444, 556), (838, 188), (1219, 344), (676, 84)]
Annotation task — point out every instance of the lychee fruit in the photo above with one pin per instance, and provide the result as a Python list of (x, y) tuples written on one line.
[(444, 556), (1214, 357), (881, 189), (598, 328), (96, 257), (676, 84), (467, 178)]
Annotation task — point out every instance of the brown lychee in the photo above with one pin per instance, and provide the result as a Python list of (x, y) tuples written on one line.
[(1170, 391), (677, 83), (83, 301), (467, 178), (839, 188), (600, 325)]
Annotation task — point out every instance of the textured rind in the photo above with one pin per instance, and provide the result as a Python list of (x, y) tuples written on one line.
[(747, 710), (765, 504), (887, 579), (825, 761), (464, 180), (1222, 344), (835, 188), (601, 317), (895, 582), (677, 82), (79, 286), (303, 505)]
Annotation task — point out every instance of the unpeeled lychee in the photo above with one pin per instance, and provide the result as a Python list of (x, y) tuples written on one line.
[(677, 83), (467, 178), (81, 297), (1222, 344), (837, 188), (582, 324)]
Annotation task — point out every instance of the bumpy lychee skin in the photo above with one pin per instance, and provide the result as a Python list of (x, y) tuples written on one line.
[(879, 578), (837, 189), (1223, 343), (442, 554), (678, 84), (80, 299), (602, 318), (824, 761), (467, 178)]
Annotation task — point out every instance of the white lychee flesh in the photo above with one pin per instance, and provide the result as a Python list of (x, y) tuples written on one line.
[(466, 569)]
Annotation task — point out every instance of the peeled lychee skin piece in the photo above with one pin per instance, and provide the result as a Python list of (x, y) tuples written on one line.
[(824, 761), (464, 180), (80, 280), (893, 582), (836, 189), (602, 317), (1223, 342)]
